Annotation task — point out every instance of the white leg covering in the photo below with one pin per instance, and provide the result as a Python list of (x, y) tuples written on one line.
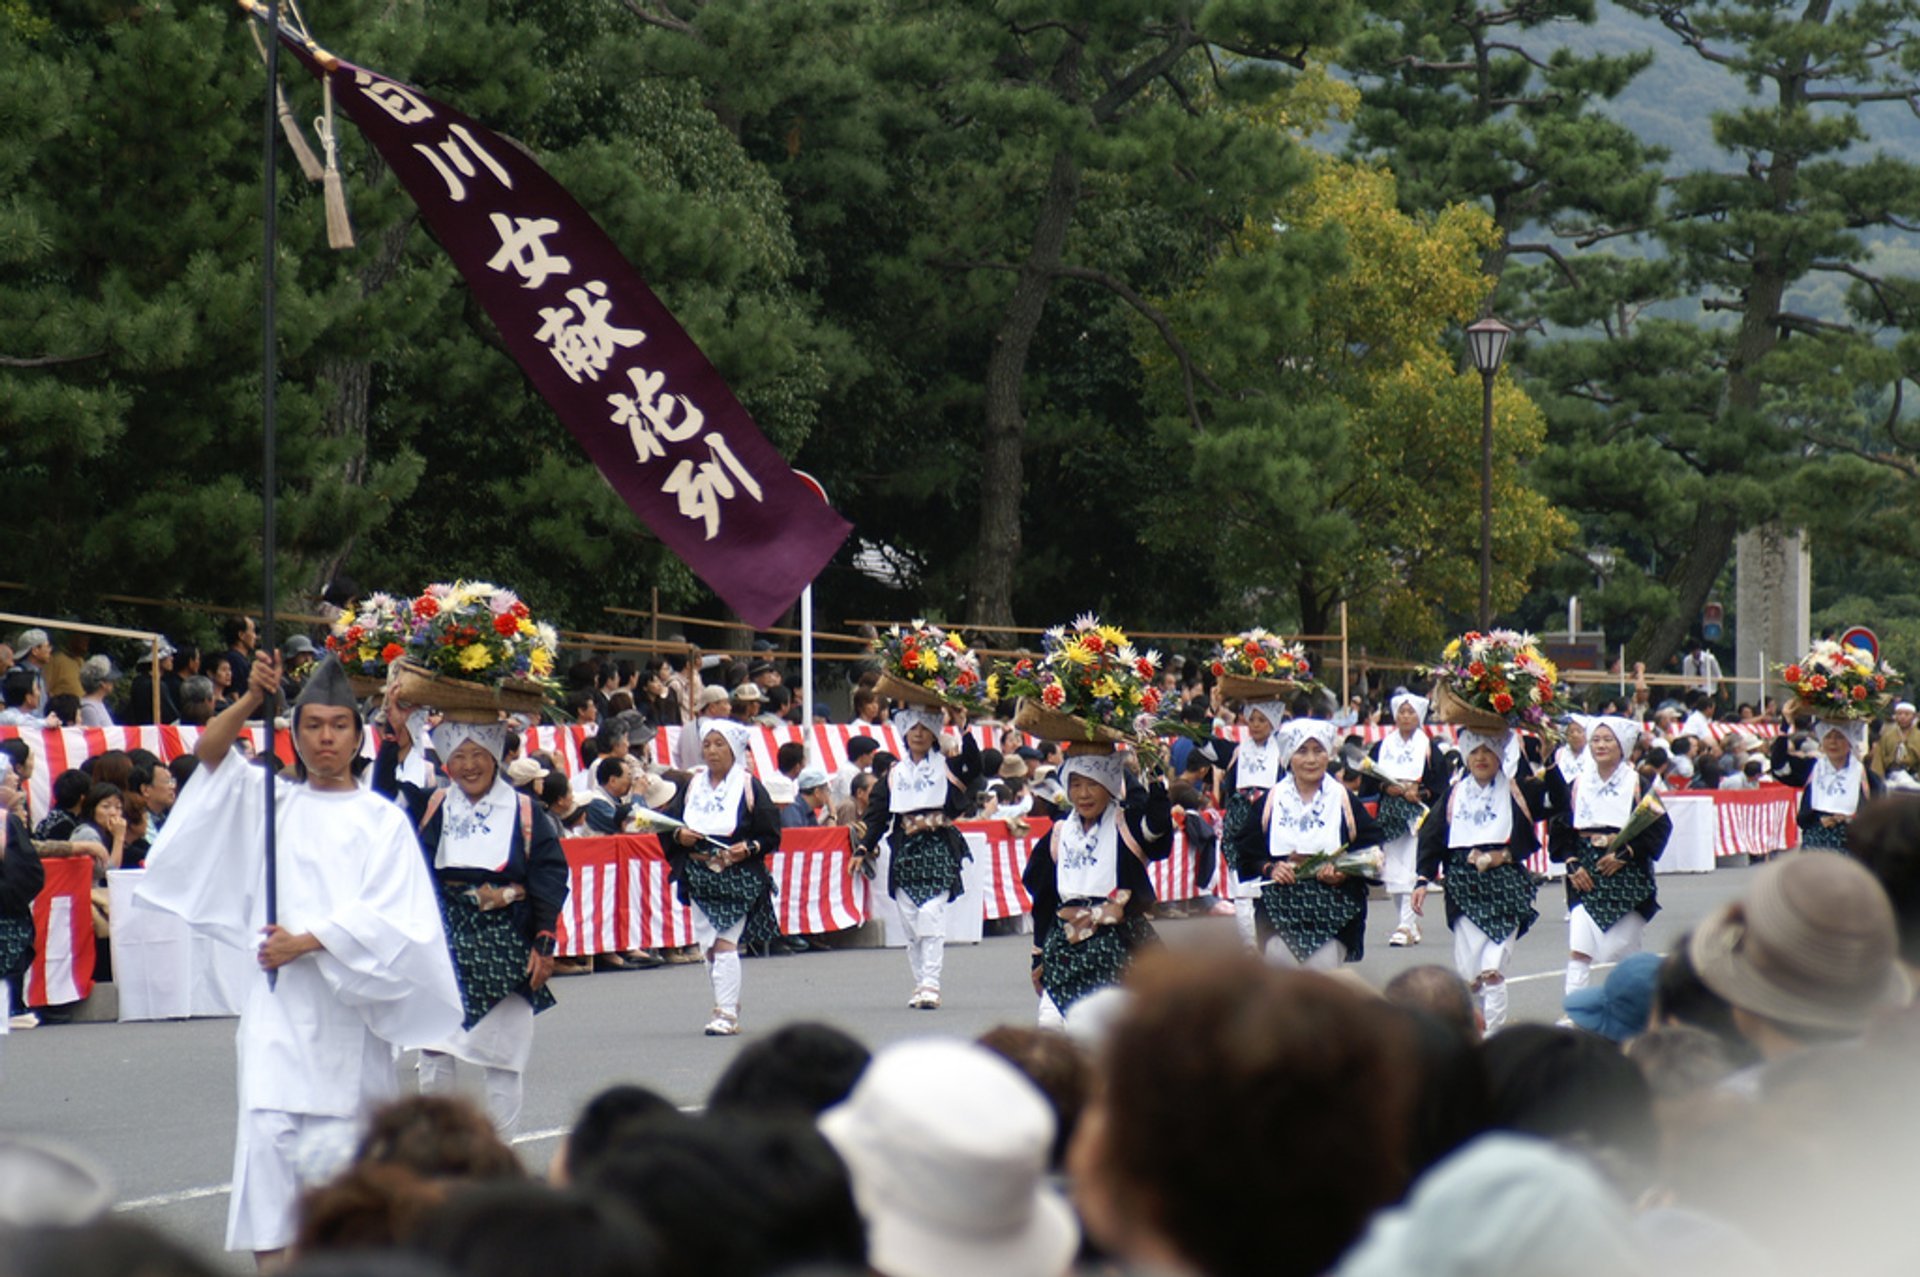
[(1243, 923), (505, 1090), (925, 927), (1579, 973), (267, 1178), (725, 974), (1493, 1005), (1408, 918), (436, 1073), (1050, 1017)]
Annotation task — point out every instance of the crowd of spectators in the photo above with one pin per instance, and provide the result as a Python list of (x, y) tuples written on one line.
[(1741, 1106)]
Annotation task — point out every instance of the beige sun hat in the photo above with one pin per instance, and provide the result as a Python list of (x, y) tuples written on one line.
[(1812, 944), (947, 1146)]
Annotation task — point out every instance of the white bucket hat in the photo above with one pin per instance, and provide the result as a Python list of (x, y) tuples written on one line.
[(947, 1145)]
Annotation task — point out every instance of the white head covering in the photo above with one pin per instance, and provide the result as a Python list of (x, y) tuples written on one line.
[(1469, 740), (1109, 771), (1625, 731), (1302, 730), (1419, 704), (1900, 705), (1854, 729), (737, 735), (1274, 712), (908, 717), (450, 736)]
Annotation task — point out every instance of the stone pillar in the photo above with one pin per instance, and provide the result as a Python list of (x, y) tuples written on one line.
[(1773, 577)]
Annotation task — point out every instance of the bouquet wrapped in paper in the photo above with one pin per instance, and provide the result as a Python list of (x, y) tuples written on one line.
[(1368, 863), (474, 649), (646, 821), (1089, 684), (1258, 665), (369, 637), (1496, 681), (923, 664), (1645, 815), (1839, 681)]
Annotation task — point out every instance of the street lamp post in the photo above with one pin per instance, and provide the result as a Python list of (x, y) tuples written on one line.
[(1487, 342)]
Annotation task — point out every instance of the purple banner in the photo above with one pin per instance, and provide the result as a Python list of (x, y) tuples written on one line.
[(650, 410)]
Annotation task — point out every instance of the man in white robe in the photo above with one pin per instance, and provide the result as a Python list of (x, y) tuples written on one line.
[(359, 948)]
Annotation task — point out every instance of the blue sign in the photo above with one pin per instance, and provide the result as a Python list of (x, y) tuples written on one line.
[(1862, 637)]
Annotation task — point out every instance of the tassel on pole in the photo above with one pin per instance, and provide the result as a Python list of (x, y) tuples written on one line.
[(339, 228), (302, 153)]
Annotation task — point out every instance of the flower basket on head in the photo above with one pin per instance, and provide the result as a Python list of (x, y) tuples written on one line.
[(464, 700), (1496, 681), (473, 650), (1089, 684), (922, 664), (368, 638), (1256, 665), (1839, 682)]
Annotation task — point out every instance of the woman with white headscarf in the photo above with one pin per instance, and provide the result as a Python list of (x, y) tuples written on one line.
[(1420, 776), (502, 878), (1088, 880), (1320, 921), (1610, 895), (719, 860), (1255, 768), (914, 810), (1478, 840), (1837, 782)]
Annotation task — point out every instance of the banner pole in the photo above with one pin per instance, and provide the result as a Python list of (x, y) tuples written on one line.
[(269, 372)]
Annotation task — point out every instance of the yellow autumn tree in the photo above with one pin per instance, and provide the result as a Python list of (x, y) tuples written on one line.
[(1338, 441)]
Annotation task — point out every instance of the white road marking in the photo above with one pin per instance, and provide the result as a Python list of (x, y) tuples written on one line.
[(1561, 974)]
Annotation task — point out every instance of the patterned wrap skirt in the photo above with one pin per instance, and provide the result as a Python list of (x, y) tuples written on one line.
[(1307, 914), (926, 865), (730, 895), (489, 955), (1824, 838), (1069, 972), (1396, 816), (1499, 900), (1613, 898)]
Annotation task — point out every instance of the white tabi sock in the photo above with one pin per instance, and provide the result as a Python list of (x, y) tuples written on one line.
[(1493, 1005)]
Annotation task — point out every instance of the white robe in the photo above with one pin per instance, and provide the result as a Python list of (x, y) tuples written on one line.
[(323, 1044)]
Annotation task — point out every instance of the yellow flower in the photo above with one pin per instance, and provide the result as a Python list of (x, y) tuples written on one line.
[(1114, 636), (1078, 654), (1451, 651), (1107, 687), (366, 653), (993, 687), (526, 627), (346, 620), (927, 661), (541, 662), (475, 657)]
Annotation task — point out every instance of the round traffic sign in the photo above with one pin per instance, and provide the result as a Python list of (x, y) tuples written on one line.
[(1862, 637)]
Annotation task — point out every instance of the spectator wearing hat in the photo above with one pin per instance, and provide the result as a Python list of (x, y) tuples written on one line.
[(765, 675), (746, 700), (139, 706), (1809, 955), (300, 659), (98, 677), (1619, 1009), (33, 650), (527, 775), (947, 1144), (809, 808)]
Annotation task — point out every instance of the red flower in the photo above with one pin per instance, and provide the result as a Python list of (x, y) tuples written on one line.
[(1143, 667), (1023, 666), (1546, 692), (392, 652), (1052, 697), (1477, 670), (354, 635), (1218, 669), (505, 625), (1502, 703), (1818, 682), (1150, 699), (1860, 692), (1093, 642), (426, 606), (1791, 673), (1303, 669), (1260, 665), (1879, 682), (519, 610), (333, 644)]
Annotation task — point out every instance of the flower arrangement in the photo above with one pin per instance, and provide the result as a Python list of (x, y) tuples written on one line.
[(370, 636), (1500, 675), (478, 631), (1259, 664), (1836, 680), (1088, 672), (931, 665)]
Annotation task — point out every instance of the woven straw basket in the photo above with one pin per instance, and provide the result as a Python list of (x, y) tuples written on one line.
[(462, 700), (899, 689), (1051, 724), (1449, 708)]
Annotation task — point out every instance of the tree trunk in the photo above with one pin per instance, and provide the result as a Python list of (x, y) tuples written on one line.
[(1002, 461), (1692, 579)]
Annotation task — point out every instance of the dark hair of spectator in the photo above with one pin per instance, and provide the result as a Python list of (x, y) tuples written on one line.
[(232, 628), (1439, 992), (17, 686), (1224, 1075), (365, 1208), (858, 747), (16, 752), (497, 1230), (97, 793), (607, 768), (802, 1068), (791, 757), (435, 1136), (1055, 1064), (553, 787), (1885, 837), (607, 1118), (1680, 996), (1575, 1088), (1453, 1104), (114, 767), (882, 764), (183, 768)]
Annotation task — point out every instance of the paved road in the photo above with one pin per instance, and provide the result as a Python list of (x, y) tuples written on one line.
[(154, 1102)]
